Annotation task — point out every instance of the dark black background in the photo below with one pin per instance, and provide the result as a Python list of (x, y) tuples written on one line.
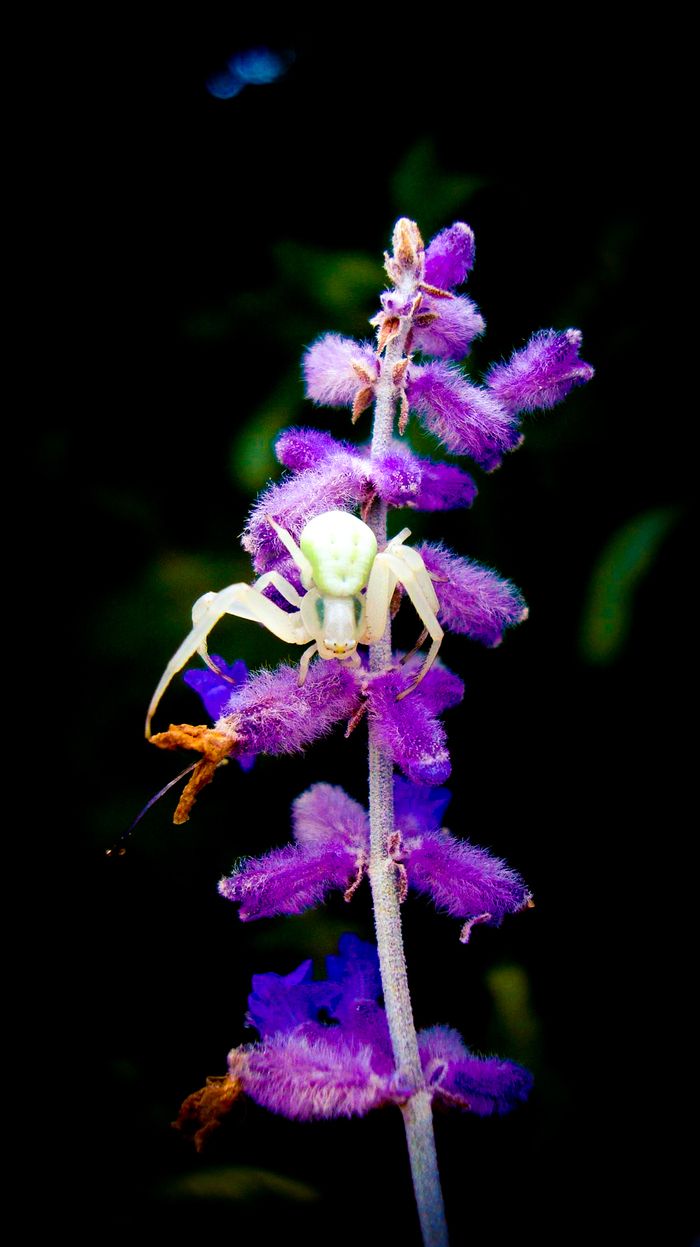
[(173, 312)]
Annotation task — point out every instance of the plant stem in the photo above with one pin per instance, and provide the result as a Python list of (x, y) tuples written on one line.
[(417, 1112)]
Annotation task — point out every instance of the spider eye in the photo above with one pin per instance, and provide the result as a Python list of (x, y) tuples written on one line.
[(320, 610)]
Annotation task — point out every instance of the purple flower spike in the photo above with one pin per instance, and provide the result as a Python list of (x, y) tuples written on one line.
[(336, 368), (467, 420), (473, 599), (450, 256), (484, 1085), (542, 373), (272, 713), (458, 322)]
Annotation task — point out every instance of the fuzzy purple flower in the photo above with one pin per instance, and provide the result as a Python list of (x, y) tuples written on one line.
[(449, 336), (541, 374), (334, 476), (332, 852), (449, 257), (467, 419), (272, 713), (409, 730), (336, 369), (479, 421), (474, 600), (444, 324), (325, 1049)]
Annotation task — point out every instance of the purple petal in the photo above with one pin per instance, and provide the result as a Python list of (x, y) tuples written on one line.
[(450, 256), (338, 483), (325, 817), (440, 689), (301, 448), (397, 477), (465, 881), (418, 808), (458, 323), (408, 729), (356, 967), (483, 1085), (444, 486), (287, 881), (329, 369), (466, 419), (542, 373), (273, 714), (281, 1002), (213, 690), (305, 1077), (473, 599)]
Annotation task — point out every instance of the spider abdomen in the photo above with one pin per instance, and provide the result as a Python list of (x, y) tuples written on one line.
[(341, 550)]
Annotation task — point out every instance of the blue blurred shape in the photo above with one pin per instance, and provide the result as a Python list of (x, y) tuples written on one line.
[(224, 86), (254, 67), (259, 66)]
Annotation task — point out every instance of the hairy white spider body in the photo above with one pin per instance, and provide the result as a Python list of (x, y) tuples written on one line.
[(349, 586)]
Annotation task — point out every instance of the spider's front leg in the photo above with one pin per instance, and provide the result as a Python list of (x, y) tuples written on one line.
[(245, 602), (399, 563)]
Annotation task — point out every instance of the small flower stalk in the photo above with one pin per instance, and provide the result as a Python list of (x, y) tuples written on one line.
[(330, 579)]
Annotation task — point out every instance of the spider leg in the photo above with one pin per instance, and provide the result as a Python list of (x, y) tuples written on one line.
[(414, 648), (380, 590), (299, 557), (282, 586), (412, 573), (305, 660), (398, 540), (241, 600)]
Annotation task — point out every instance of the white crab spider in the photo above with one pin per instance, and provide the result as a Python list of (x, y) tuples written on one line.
[(338, 559)]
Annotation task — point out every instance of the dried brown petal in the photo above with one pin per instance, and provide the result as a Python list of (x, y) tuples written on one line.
[(363, 373), (363, 400), (204, 1110), (407, 242), (216, 747), (435, 291), (389, 327)]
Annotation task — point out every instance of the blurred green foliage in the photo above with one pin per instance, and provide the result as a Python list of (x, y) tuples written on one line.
[(239, 1184), (626, 559)]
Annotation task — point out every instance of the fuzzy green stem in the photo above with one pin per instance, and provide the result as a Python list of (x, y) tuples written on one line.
[(417, 1112)]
